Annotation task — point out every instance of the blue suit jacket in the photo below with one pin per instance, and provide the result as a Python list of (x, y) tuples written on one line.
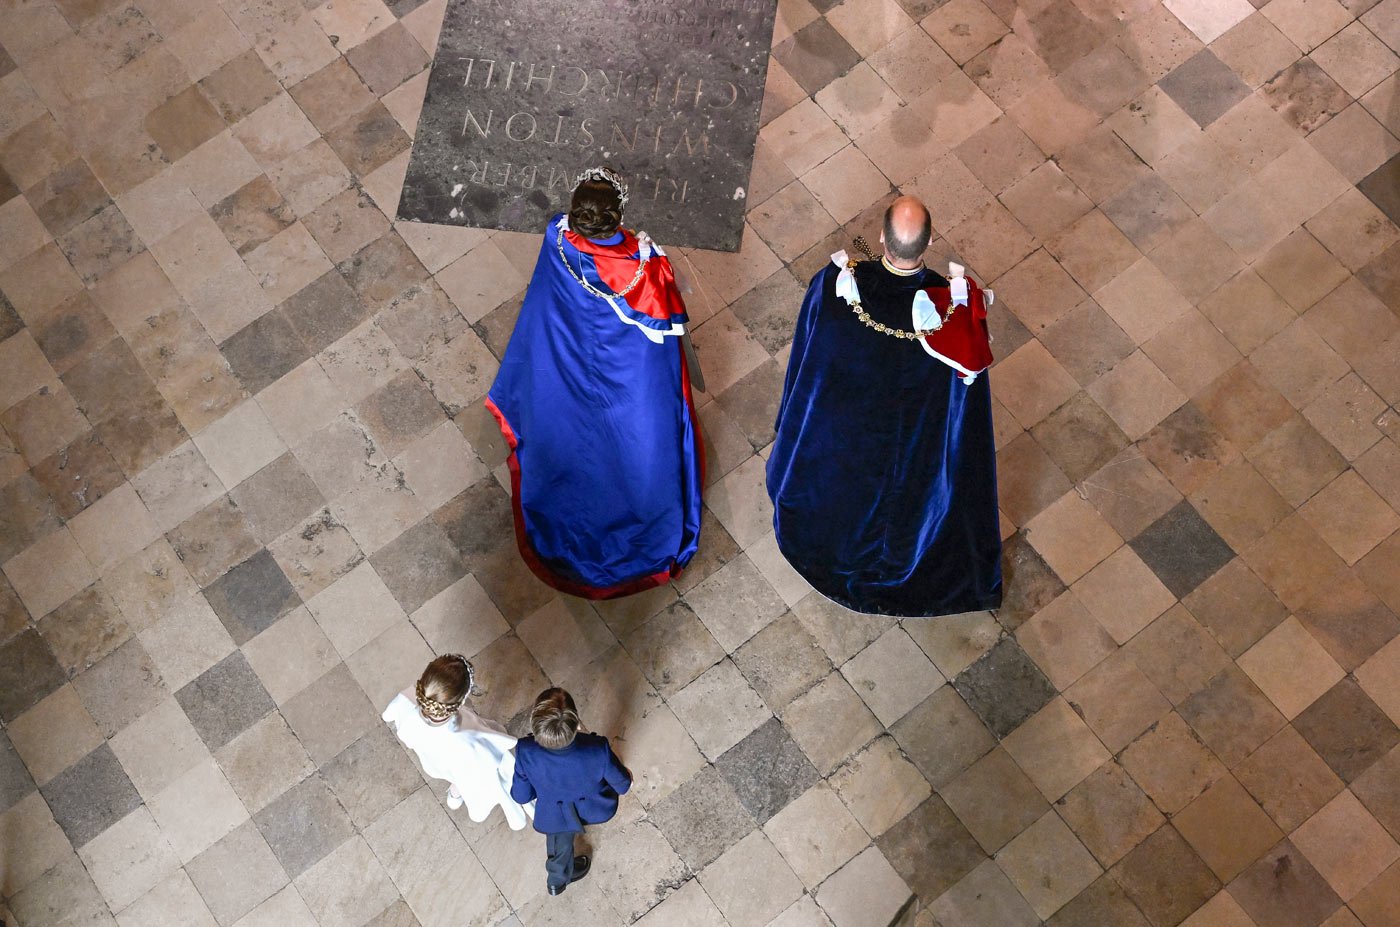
[(572, 787)]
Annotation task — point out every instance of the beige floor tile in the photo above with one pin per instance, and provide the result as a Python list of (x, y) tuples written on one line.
[(114, 528), (1072, 537), (129, 858), (1380, 677), (158, 748), (1065, 640), (1346, 844), (36, 843), (1290, 667), (866, 888), (816, 835), (880, 786), (54, 734), (1056, 749), (174, 902), (733, 882), (47, 574), (1048, 864), (1227, 828), (1350, 516), (892, 675), (196, 809)]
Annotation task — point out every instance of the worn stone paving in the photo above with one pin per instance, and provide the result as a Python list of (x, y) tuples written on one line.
[(248, 488)]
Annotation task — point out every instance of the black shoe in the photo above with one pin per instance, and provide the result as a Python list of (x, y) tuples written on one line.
[(581, 866)]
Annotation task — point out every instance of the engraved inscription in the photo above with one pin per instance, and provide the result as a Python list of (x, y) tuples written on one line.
[(524, 94)]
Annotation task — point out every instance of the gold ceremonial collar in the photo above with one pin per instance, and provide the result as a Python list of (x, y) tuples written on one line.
[(898, 271)]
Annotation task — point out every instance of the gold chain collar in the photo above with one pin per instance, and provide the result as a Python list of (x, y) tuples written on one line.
[(884, 329)]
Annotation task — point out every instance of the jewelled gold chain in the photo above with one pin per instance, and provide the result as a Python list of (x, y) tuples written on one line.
[(884, 329)]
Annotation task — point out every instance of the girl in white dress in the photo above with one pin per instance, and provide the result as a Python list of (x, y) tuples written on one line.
[(455, 743)]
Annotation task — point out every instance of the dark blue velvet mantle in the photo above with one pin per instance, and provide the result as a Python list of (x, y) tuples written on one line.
[(883, 471)]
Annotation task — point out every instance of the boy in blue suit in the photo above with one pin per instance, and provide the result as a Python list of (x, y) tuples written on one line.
[(574, 778)]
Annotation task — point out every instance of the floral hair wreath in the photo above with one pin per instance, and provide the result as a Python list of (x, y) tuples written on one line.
[(608, 176), (435, 710)]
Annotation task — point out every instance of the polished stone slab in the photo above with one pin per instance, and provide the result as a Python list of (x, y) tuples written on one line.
[(524, 94)]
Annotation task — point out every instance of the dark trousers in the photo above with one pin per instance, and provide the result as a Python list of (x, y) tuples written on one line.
[(559, 858)]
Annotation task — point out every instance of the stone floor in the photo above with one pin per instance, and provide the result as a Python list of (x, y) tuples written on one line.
[(247, 487)]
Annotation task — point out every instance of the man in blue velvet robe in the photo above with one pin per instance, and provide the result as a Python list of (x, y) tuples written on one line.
[(883, 471)]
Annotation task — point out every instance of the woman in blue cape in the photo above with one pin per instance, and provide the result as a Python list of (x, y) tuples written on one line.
[(593, 399)]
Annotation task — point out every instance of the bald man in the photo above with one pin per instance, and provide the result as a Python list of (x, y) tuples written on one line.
[(883, 471)]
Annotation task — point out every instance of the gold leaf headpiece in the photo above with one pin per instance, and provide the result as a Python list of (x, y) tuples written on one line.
[(435, 710)]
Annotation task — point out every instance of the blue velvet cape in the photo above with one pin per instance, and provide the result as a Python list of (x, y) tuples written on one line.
[(883, 471), (605, 462)]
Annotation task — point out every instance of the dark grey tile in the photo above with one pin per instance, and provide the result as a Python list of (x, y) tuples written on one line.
[(1348, 730), (26, 515), (513, 589), (1165, 878), (251, 597), (767, 770), (10, 322), (1148, 211), (1103, 904), (277, 498), (1028, 584), (372, 775), (368, 139), (304, 824), (1205, 87), (752, 402), (252, 214), (79, 474), (264, 350), (1283, 889), (1080, 437), (930, 849), (1182, 549), (100, 244), (495, 329), (15, 781), (122, 687), (28, 672), (1004, 688), (478, 521), (1382, 187), (14, 617), (400, 411), (68, 196), (91, 795), (816, 55), (702, 818), (1231, 716), (942, 736), (418, 564), (225, 700), (213, 539), (324, 311), (382, 270)]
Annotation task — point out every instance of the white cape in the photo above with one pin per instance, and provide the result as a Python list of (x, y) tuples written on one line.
[(468, 751)]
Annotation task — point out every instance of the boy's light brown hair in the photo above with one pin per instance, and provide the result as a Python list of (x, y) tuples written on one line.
[(554, 719)]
